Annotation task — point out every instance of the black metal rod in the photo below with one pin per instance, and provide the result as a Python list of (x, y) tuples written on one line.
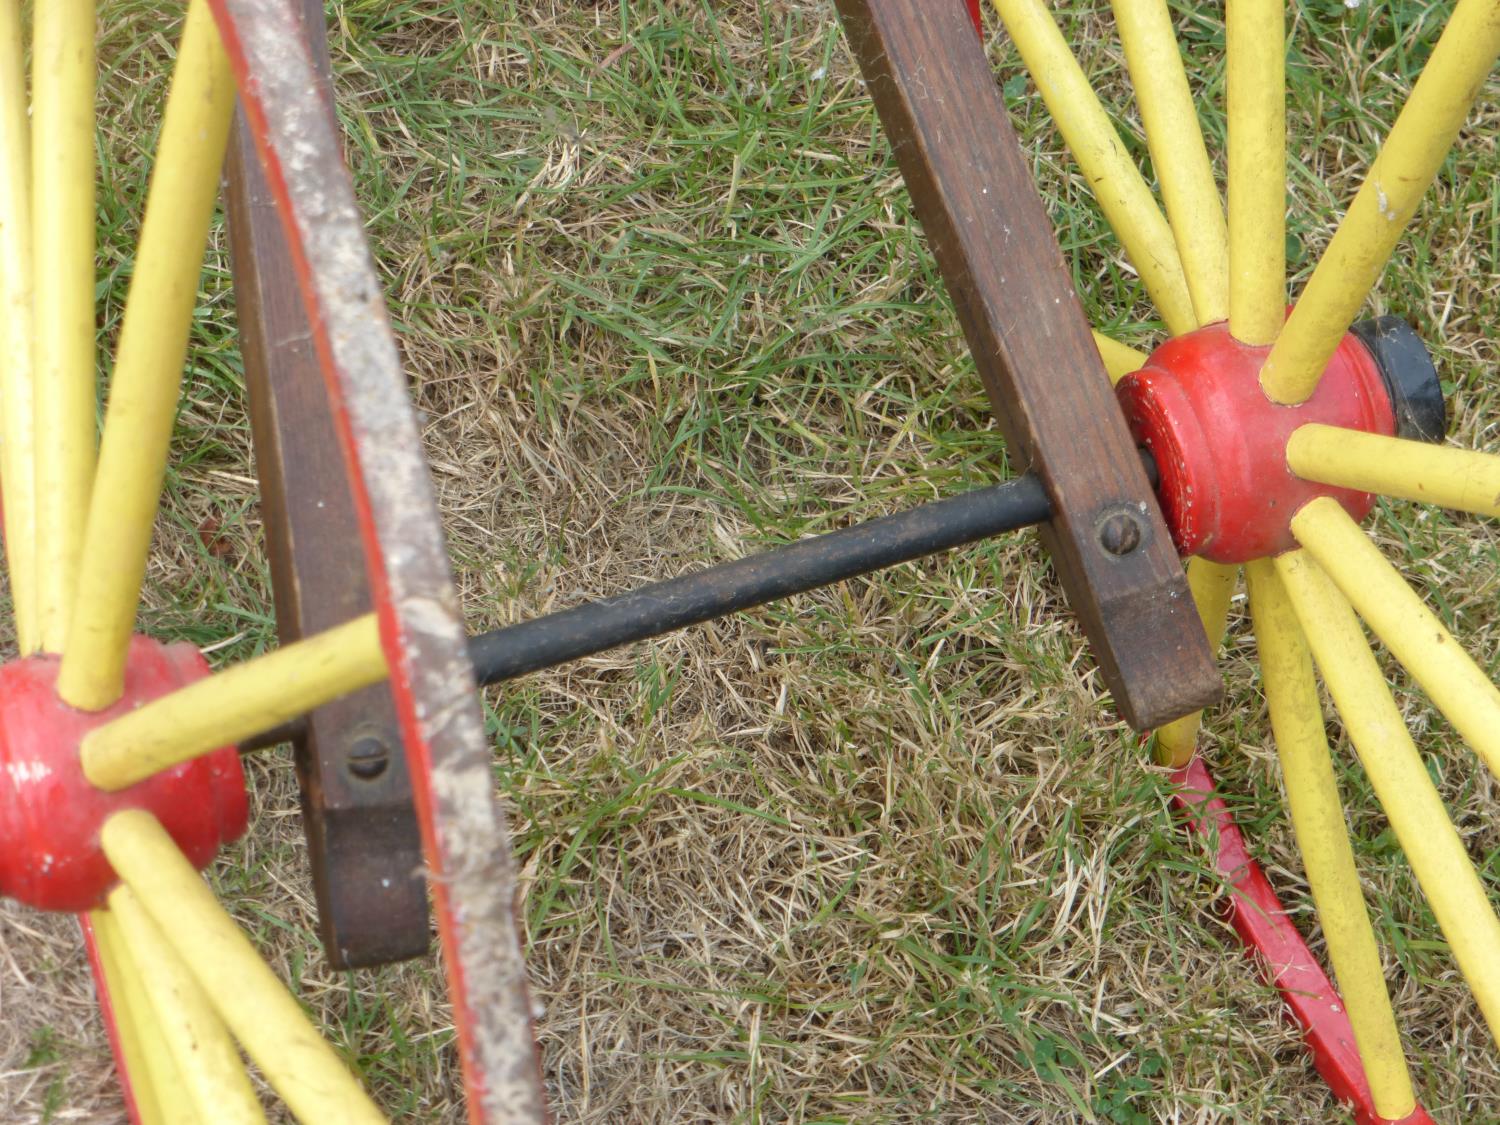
[(543, 642), (289, 731), (661, 607)]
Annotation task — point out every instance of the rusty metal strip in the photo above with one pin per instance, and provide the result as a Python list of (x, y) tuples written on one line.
[(464, 833)]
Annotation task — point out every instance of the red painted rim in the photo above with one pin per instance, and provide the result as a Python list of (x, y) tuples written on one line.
[(111, 1020), (1283, 956), (465, 840)]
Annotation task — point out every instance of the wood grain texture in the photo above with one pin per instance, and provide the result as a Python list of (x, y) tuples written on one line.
[(465, 840), (363, 840), (990, 235)]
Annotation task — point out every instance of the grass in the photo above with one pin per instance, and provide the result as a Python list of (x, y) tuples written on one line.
[(876, 854)]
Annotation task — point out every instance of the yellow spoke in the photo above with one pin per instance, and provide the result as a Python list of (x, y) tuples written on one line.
[(262, 1015), (62, 197), (1212, 585), (17, 403), (1456, 685), (1323, 839), (148, 366), (212, 1078), (149, 1069), (1399, 776), (1406, 164), (1255, 33), (234, 704), (1119, 359), (1413, 470), (1175, 139), (1116, 182)]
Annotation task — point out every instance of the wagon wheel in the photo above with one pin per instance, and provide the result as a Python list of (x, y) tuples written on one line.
[(183, 989), (129, 836), (1306, 590), (1211, 280)]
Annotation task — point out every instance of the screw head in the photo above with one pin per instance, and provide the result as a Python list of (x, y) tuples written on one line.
[(1120, 533), (367, 757)]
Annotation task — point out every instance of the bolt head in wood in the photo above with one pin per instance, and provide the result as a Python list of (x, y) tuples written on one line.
[(368, 757), (1121, 532)]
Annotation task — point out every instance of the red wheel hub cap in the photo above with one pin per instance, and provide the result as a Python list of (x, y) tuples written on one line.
[(1220, 443), (50, 814)]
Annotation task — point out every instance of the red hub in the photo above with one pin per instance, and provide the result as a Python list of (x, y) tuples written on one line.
[(1220, 443), (50, 814)]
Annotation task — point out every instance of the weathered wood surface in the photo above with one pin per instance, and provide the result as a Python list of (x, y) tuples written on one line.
[(363, 842), (466, 845), (989, 232)]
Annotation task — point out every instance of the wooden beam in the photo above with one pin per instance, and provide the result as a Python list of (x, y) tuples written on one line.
[(363, 841), (466, 847), (1014, 297)]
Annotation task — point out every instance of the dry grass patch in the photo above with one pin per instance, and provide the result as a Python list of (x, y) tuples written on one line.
[(879, 853)]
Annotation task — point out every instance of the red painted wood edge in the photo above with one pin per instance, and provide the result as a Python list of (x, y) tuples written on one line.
[(974, 15), (1261, 922), (107, 1010), (465, 841)]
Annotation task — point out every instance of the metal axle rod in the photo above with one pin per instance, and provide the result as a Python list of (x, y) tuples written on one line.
[(662, 607)]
